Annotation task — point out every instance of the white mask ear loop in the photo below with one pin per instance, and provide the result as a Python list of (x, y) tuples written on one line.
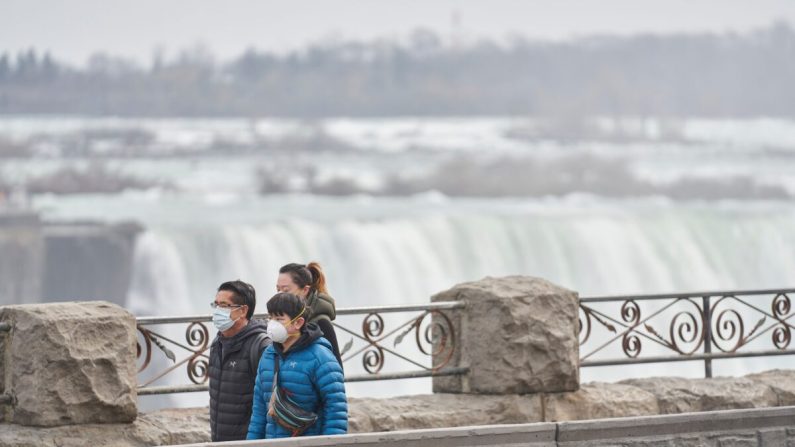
[(297, 316), (293, 321)]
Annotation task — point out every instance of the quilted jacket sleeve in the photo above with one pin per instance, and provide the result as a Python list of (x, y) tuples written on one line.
[(331, 387), (259, 409)]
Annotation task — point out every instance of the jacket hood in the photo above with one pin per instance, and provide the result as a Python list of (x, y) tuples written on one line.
[(309, 333), (322, 306), (252, 329)]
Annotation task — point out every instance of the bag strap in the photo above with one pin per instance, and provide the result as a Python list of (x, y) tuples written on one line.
[(275, 370)]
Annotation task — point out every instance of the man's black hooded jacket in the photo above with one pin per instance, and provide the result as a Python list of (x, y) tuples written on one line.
[(232, 369)]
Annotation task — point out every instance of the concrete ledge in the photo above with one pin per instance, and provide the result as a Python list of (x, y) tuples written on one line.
[(679, 425), (532, 435), (773, 427)]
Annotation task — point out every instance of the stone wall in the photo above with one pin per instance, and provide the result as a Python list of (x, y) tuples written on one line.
[(593, 401), (631, 398), (768, 427), (164, 427)]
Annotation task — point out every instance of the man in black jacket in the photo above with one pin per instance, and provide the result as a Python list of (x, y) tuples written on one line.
[(234, 357)]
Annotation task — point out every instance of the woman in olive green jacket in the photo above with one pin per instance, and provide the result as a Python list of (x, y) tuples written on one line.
[(309, 282)]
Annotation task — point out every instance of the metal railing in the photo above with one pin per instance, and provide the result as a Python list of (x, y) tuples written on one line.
[(686, 326), (614, 330), (434, 337)]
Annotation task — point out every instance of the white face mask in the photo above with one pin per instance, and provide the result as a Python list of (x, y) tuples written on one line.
[(222, 319), (278, 331)]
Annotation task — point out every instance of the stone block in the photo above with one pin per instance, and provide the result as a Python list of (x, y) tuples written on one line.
[(679, 395), (599, 401), (517, 335), (164, 427), (70, 363), (781, 381), (772, 437), (440, 410)]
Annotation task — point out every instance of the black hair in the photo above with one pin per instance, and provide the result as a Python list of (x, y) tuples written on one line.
[(306, 275), (289, 304), (242, 294)]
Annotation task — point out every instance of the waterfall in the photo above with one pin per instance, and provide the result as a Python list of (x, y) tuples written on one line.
[(595, 247), (404, 260)]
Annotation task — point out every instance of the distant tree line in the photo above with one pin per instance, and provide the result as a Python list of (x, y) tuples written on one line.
[(725, 75)]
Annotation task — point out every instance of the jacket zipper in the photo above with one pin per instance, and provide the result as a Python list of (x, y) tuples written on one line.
[(217, 398)]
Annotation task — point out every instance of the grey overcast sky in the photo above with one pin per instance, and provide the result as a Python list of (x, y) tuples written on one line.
[(73, 29)]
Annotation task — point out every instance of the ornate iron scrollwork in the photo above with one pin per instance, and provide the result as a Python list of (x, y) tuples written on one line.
[(147, 350), (372, 328), (630, 312), (730, 325), (198, 337), (782, 335), (724, 324), (587, 326), (434, 337), (440, 341), (631, 345), (197, 370), (630, 342), (691, 331)]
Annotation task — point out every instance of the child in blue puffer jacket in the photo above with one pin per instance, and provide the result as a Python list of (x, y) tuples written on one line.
[(308, 373)]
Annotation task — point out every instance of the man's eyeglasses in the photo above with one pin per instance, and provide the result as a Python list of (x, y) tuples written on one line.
[(215, 305)]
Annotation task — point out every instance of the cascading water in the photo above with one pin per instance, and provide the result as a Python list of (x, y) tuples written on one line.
[(590, 245), (607, 248)]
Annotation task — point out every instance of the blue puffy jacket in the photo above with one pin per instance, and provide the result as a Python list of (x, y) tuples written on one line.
[(313, 377)]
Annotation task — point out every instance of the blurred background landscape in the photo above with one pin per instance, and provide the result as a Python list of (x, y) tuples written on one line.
[(150, 152)]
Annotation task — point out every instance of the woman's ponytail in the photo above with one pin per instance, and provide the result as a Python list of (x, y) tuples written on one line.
[(318, 278)]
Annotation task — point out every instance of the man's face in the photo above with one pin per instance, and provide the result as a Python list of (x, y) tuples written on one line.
[(224, 299), (285, 284)]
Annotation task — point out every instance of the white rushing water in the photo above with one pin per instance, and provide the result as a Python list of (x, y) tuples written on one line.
[(380, 251)]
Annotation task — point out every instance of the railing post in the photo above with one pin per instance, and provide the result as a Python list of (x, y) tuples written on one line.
[(74, 363), (543, 313), (707, 336)]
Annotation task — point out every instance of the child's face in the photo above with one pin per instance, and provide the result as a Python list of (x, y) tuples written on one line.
[(292, 325)]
